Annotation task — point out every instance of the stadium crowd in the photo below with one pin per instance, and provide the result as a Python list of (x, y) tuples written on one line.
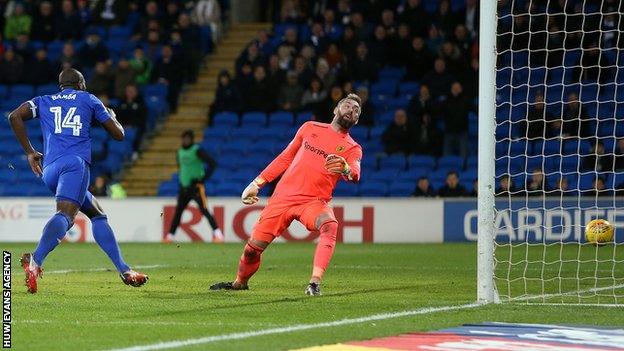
[(320, 51)]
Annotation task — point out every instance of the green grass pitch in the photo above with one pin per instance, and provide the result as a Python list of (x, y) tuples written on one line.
[(82, 310)]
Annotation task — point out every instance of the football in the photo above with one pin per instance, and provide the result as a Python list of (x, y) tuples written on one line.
[(598, 231)]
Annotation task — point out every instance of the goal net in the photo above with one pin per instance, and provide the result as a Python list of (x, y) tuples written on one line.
[(559, 150)]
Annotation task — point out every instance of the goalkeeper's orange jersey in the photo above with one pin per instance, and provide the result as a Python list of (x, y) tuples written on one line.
[(302, 163)]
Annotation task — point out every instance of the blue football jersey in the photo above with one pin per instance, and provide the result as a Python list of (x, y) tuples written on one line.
[(65, 120)]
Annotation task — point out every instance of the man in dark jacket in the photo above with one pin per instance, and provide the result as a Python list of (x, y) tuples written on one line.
[(423, 188), (452, 188), (455, 111), (399, 134)]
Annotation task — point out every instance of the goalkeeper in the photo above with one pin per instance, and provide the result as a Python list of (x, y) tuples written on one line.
[(191, 159), (313, 162)]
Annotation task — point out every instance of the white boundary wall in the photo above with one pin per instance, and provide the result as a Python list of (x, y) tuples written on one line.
[(146, 219)]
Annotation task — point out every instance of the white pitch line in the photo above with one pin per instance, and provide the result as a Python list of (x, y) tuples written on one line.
[(154, 323), (571, 293), (295, 328)]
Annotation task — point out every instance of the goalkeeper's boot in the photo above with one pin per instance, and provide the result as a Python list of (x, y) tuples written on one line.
[(32, 270), (229, 286), (313, 289), (134, 278)]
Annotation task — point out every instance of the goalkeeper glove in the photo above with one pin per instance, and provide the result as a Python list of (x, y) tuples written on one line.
[(250, 194), (337, 164)]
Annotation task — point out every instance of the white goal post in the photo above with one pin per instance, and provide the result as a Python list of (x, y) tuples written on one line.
[(551, 151)]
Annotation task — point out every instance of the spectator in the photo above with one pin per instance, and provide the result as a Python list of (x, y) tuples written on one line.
[(153, 47), (363, 68), (290, 95), (68, 59), (124, 76), (379, 46), (317, 38), (506, 187), (100, 82), (360, 27), (464, 42), (575, 119), (93, 51), (401, 47), (414, 13), (398, 136), (11, 68), (44, 23), (260, 96), (536, 185), (227, 97), (110, 12), (455, 110), (419, 60), (421, 104), (325, 110), (452, 188), (333, 56), (84, 12), (388, 23), (152, 15), (597, 160), (284, 57), (453, 58), (40, 70), (423, 188), (244, 80), (534, 127), (434, 40), (427, 139), (142, 66), (470, 80), (68, 24), (324, 74), (167, 71), (562, 188), (439, 80), (291, 40), (331, 29), (367, 116), (598, 189), (170, 18), (17, 23), (275, 74), (100, 186), (444, 18), (348, 43), (304, 73), (23, 47), (470, 17), (133, 113), (264, 44), (250, 56), (190, 34), (313, 96)]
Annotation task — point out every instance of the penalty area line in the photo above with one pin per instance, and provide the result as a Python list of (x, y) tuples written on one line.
[(112, 269), (295, 328)]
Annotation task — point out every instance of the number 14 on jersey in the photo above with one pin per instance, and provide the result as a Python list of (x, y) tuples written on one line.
[(69, 121)]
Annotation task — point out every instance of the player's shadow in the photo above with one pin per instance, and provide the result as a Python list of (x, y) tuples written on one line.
[(239, 304)]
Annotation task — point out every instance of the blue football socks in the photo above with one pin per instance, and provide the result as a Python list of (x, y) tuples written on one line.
[(53, 233), (104, 236)]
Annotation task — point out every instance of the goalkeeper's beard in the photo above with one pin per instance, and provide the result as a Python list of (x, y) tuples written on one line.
[(344, 123)]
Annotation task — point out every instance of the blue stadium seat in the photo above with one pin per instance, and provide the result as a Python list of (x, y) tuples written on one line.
[(4, 92), (451, 163), (121, 32), (385, 118), (396, 103), (369, 162), (263, 147), (377, 131), (218, 132), (412, 175), (168, 188), (281, 118), (99, 134), (205, 44), (239, 147), (409, 89), (373, 188), (225, 119), (385, 88), (345, 189), (22, 92), (228, 189), (98, 150), (359, 134), (254, 119), (244, 132), (383, 175), (122, 148), (391, 73), (156, 90), (472, 162), (395, 161), (421, 161), (400, 189), (303, 117), (47, 89)]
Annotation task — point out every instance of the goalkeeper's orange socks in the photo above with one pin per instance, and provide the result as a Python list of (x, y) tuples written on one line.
[(324, 250), (249, 263)]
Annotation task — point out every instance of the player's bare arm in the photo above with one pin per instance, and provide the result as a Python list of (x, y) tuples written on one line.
[(113, 127), (16, 119)]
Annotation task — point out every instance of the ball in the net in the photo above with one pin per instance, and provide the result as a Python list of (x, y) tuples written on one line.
[(598, 231)]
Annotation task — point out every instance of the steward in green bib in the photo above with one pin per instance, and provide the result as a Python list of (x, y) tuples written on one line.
[(192, 161)]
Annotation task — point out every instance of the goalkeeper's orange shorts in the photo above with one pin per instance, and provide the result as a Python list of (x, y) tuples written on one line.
[(278, 214)]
